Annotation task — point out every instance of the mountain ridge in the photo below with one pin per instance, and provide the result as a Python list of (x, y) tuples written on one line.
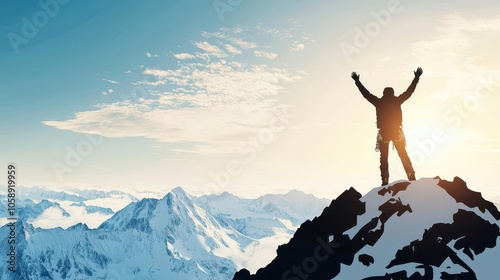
[(180, 236), (169, 237), (389, 229)]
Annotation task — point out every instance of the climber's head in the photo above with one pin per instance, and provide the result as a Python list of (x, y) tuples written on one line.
[(388, 91)]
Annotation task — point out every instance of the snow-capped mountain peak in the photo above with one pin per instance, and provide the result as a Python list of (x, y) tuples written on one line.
[(422, 229), (151, 238)]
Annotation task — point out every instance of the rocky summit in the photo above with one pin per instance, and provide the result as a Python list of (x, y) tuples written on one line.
[(425, 229)]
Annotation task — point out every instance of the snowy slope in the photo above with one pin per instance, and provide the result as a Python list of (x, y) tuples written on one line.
[(213, 236), (170, 238), (264, 216), (270, 220), (175, 237), (425, 229), (430, 205)]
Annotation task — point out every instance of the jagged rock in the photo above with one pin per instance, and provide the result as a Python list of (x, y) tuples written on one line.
[(440, 227)]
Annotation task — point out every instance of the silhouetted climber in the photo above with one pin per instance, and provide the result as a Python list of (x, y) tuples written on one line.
[(389, 124)]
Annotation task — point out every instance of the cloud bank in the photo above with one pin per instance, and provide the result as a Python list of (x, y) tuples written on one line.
[(217, 95)]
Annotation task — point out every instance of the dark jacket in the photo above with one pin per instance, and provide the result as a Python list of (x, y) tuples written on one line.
[(388, 107)]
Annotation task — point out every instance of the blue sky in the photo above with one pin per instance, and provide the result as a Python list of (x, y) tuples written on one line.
[(244, 96)]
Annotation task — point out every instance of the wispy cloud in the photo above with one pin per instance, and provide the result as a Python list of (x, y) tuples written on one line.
[(108, 91), (264, 54), (206, 105), (301, 44), (243, 44), (183, 56), (110, 81), (297, 46), (231, 49), (150, 55), (53, 217), (211, 49)]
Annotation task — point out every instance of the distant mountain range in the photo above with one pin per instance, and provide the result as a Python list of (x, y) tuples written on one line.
[(38, 193), (37, 204), (175, 237), (426, 229)]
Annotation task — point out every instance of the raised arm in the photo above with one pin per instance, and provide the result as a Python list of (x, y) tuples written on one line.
[(407, 94), (366, 94)]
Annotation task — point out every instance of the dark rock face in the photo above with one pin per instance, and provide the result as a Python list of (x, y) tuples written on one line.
[(394, 189), (461, 193), (469, 231), (366, 260), (320, 247)]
